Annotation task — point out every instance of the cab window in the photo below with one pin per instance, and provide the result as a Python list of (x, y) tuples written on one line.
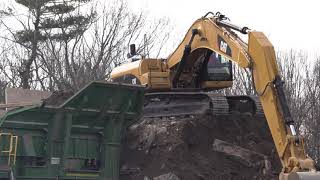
[(219, 68)]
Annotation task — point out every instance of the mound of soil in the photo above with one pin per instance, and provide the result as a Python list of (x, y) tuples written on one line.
[(58, 97), (234, 147), (238, 146)]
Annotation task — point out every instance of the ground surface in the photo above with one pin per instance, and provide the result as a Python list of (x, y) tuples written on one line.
[(187, 147)]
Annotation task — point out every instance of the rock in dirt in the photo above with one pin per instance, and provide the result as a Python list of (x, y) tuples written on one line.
[(245, 156)]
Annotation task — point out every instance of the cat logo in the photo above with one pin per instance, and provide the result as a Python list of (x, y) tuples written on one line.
[(223, 46), (134, 81)]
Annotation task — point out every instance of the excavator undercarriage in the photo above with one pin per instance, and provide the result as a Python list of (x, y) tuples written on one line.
[(180, 104)]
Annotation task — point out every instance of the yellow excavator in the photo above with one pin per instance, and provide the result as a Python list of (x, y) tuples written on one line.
[(183, 84)]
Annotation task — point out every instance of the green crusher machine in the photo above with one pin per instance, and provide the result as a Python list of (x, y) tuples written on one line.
[(78, 138)]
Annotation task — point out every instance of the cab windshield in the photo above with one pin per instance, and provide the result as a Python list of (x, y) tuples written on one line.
[(219, 68)]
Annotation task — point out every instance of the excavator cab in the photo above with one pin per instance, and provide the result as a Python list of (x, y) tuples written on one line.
[(219, 68), (210, 70)]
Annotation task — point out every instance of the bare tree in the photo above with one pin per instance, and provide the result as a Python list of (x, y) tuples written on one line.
[(293, 67), (104, 46), (41, 16), (242, 82), (70, 60), (311, 124)]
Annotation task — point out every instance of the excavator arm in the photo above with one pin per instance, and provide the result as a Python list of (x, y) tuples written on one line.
[(269, 87), (258, 55)]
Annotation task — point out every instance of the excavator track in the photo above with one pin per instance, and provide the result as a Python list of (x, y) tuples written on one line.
[(184, 104)]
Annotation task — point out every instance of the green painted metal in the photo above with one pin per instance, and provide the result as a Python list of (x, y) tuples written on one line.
[(77, 139)]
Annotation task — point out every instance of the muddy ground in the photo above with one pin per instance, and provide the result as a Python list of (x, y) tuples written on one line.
[(190, 149)]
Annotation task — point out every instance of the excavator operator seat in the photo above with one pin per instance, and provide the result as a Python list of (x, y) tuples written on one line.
[(219, 68), (215, 71)]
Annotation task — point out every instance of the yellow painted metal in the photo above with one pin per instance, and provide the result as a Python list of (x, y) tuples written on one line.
[(158, 80), (12, 151), (208, 34), (149, 72), (125, 69)]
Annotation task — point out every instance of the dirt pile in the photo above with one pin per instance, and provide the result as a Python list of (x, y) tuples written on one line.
[(200, 148), (234, 147), (58, 97)]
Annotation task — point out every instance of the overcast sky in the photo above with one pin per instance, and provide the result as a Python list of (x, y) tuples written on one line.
[(288, 23)]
